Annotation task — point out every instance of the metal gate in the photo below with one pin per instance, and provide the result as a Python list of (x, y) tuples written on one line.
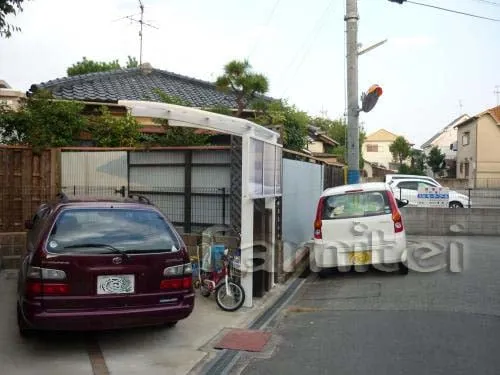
[(191, 186)]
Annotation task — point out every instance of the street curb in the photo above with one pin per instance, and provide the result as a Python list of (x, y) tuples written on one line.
[(228, 358)]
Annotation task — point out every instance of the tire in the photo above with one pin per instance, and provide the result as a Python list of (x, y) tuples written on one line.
[(205, 292), (403, 269), (456, 204), (170, 324), (24, 330), (221, 291), (322, 273)]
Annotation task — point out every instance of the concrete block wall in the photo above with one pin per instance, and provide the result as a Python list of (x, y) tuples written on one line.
[(12, 246), (447, 221)]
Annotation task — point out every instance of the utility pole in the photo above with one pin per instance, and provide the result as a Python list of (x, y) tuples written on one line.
[(351, 19)]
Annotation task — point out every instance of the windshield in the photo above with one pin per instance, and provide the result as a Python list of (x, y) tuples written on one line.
[(108, 230), (349, 205)]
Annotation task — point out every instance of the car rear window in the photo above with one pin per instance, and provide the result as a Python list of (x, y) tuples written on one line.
[(103, 230), (359, 204)]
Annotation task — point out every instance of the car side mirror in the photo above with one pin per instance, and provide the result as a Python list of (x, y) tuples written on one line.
[(402, 202), (28, 224)]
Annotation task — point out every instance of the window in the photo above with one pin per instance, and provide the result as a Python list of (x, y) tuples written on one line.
[(466, 167), (465, 138), (426, 184), (372, 148), (131, 230), (344, 206), (461, 168), (257, 169), (265, 169), (37, 222), (269, 161), (410, 185)]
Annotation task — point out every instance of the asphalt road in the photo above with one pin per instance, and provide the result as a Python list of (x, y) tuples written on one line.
[(377, 323)]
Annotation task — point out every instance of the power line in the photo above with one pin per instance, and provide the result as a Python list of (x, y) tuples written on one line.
[(308, 43), (488, 2), (454, 11), (269, 19)]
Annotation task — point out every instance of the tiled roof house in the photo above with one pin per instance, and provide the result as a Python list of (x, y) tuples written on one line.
[(137, 84)]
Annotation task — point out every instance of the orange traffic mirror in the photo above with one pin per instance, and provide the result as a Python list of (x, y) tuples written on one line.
[(370, 98)]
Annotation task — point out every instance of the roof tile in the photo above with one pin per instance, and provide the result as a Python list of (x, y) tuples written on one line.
[(134, 84)]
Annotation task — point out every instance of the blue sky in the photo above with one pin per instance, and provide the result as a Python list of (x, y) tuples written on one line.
[(431, 62)]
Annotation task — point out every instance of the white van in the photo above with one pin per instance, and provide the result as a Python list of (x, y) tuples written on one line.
[(391, 177), (359, 225)]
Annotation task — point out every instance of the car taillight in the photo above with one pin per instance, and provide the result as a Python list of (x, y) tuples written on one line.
[(177, 284), (39, 287), (45, 274), (318, 222), (45, 281), (178, 277), (180, 270), (396, 214)]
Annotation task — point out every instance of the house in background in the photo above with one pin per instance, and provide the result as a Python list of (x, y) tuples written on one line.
[(478, 154), (9, 96), (376, 151), (446, 141), (320, 145), (371, 170)]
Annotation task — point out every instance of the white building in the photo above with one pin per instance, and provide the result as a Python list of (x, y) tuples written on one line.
[(446, 141)]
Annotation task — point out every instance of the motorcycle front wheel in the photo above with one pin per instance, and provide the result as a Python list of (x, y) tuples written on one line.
[(233, 302)]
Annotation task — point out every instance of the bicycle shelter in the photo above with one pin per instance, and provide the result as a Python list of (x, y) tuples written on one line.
[(261, 177)]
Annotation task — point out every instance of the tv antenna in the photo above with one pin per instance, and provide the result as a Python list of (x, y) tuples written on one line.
[(497, 93), (142, 23)]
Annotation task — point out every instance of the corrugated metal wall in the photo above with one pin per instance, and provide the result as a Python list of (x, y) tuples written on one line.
[(95, 172), (302, 186), (161, 176)]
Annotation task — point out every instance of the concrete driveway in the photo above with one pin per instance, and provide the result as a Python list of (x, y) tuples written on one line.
[(138, 351)]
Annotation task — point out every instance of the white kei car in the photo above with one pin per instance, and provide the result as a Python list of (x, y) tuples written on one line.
[(407, 188), (359, 225)]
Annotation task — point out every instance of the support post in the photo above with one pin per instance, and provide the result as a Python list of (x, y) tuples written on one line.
[(246, 225), (188, 190)]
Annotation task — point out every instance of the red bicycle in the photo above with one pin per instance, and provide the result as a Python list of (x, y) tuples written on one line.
[(223, 281)]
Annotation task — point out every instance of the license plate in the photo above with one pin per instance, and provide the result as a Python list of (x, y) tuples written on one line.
[(115, 284), (361, 257)]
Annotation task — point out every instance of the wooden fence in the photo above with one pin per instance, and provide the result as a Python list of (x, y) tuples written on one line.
[(26, 179)]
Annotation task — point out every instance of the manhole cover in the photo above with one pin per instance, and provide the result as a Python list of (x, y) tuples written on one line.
[(246, 340)]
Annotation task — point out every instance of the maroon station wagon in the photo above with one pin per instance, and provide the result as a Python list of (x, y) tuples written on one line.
[(95, 264)]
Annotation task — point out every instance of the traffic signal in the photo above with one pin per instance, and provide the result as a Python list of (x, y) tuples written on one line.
[(397, 1)]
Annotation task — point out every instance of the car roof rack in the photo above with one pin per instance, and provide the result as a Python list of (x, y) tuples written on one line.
[(140, 198), (62, 196)]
